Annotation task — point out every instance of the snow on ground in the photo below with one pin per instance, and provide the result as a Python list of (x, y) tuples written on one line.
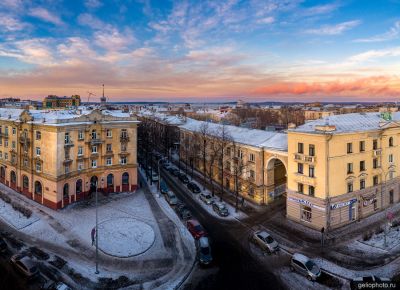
[(125, 237), (15, 218), (378, 240)]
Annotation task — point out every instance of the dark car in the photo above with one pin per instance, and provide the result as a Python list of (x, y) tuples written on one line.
[(182, 177), (171, 169), (193, 187), (185, 214), (176, 172), (195, 229), (204, 251), (163, 187), (220, 209), (25, 265), (166, 165), (3, 245)]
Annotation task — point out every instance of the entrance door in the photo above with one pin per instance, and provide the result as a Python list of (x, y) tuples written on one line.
[(93, 183)]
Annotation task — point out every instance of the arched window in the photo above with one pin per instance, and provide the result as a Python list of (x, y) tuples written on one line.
[(38, 187), (78, 187), (13, 177), (25, 182), (391, 142), (125, 178), (94, 134), (66, 190), (110, 180)]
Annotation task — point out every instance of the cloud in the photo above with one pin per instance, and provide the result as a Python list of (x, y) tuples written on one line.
[(92, 4), (266, 20), (113, 40), (319, 9), (91, 21), (334, 29), (392, 33), (10, 23), (45, 15), (373, 54), (377, 85)]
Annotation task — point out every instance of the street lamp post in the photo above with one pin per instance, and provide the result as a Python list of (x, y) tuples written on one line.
[(97, 236)]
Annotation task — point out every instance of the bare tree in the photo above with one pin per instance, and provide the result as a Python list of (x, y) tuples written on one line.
[(239, 171), (203, 137)]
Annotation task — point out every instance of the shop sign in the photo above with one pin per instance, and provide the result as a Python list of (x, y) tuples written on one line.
[(305, 202), (343, 204)]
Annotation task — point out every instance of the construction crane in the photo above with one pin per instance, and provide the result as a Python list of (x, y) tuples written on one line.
[(89, 95)]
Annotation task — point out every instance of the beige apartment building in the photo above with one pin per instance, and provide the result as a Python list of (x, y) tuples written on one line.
[(58, 157), (343, 168)]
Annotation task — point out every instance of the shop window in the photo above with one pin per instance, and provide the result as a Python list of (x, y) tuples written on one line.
[(306, 213)]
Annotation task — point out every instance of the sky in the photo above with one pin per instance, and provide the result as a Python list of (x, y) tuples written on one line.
[(255, 50)]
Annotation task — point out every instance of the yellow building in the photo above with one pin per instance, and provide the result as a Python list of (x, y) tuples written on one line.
[(54, 102), (58, 157), (343, 168)]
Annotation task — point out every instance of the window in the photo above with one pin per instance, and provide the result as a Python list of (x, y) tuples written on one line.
[(390, 158), (362, 146), (300, 168), (25, 162), (80, 165), (13, 145), (94, 134), (391, 142), (38, 166), (67, 138), (37, 151), (94, 163), (350, 187), (375, 144), (311, 190), (123, 160), (66, 191), (38, 135), (240, 154), (375, 163), (124, 133), (109, 161), (252, 174), (66, 169), (300, 187), (1, 154), (6, 130), (375, 180), (123, 146), (391, 193), (14, 131), (362, 165), (300, 148), (1, 141), (311, 171), (362, 183), (311, 150), (6, 143), (349, 168), (252, 157), (80, 150), (94, 149), (109, 148), (349, 147), (109, 133), (6, 156), (38, 187), (80, 135), (306, 214)]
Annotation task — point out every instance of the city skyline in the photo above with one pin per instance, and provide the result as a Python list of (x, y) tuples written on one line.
[(201, 51)]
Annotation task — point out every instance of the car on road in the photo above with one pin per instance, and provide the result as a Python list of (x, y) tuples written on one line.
[(163, 187), (166, 165), (264, 240), (206, 198), (358, 282), (176, 172), (171, 169), (305, 266), (193, 187), (51, 285), (183, 178), (171, 198), (154, 176), (220, 209), (195, 228), (185, 214), (25, 265), (204, 251)]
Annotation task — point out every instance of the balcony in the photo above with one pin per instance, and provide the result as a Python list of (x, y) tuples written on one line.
[(68, 144), (109, 153), (124, 138), (67, 161), (4, 135), (304, 158), (377, 152), (25, 140), (96, 141), (300, 178), (124, 153)]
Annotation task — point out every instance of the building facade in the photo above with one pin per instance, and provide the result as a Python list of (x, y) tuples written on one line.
[(58, 157), (54, 102), (343, 168)]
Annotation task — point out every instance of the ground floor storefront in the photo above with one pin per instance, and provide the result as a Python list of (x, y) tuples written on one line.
[(341, 210)]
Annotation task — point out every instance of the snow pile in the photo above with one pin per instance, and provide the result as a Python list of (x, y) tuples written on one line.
[(125, 237), (378, 240)]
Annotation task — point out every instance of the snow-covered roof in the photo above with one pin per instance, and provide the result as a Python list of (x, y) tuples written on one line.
[(173, 120), (347, 123), (251, 137)]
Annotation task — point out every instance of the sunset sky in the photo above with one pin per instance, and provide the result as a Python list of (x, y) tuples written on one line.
[(148, 50)]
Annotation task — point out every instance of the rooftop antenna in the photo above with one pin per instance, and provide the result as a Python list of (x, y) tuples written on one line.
[(103, 99)]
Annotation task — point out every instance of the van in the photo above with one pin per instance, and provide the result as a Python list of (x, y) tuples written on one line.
[(171, 198)]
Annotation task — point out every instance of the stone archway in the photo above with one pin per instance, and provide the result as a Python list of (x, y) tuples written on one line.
[(276, 178)]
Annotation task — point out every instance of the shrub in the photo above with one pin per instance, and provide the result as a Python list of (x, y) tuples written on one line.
[(25, 211)]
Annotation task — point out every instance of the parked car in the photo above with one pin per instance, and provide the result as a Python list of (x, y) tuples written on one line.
[(264, 240), (193, 187), (305, 266), (185, 214), (220, 209), (166, 165), (154, 176), (171, 198), (176, 172), (51, 285), (358, 281), (183, 178), (195, 229), (204, 251), (3, 245), (163, 187), (25, 265), (171, 169), (206, 198)]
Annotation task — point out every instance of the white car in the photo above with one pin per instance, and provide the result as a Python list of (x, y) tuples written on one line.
[(206, 198), (264, 240)]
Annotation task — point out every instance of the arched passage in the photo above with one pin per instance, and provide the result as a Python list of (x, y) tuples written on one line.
[(13, 179), (110, 182), (25, 183), (276, 177), (2, 174), (38, 188), (93, 183)]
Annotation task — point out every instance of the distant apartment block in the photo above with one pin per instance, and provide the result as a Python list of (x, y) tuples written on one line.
[(54, 102)]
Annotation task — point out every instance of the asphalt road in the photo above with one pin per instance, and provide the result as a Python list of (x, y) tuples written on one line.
[(237, 268)]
